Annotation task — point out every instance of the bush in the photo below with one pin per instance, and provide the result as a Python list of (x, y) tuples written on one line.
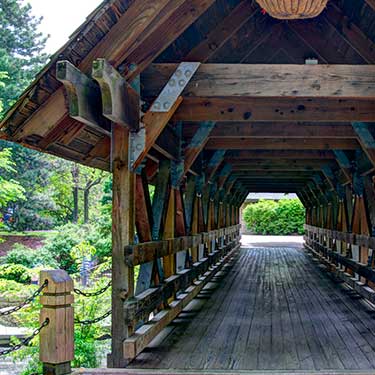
[(15, 272), (284, 217), (21, 254), (72, 242)]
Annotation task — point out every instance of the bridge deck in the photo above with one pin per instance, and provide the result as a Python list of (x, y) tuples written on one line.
[(274, 310)]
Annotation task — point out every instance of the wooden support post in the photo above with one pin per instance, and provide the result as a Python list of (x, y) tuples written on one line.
[(169, 232), (56, 345), (123, 230)]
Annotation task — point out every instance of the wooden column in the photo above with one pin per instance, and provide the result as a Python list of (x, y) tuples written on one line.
[(56, 345), (169, 232), (123, 230)]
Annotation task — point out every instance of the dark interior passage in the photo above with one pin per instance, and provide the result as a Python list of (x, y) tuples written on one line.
[(274, 310)]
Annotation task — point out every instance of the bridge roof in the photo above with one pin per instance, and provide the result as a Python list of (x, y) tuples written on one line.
[(279, 124)]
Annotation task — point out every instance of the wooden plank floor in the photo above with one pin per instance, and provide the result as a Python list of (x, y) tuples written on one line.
[(273, 310)]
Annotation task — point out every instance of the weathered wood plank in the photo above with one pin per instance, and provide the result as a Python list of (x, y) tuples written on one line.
[(253, 80), (276, 130), (269, 109), (282, 144)]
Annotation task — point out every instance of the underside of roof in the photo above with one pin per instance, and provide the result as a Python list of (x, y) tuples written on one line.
[(274, 138)]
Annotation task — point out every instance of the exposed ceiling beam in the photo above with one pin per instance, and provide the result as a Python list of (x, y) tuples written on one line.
[(352, 33), (276, 130), (275, 109), (268, 80), (371, 3), (217, 37), (282, 144), (279, 155)]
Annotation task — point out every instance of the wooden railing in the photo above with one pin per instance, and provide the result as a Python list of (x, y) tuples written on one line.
[(168, 299), (164, 301), (334, 249)]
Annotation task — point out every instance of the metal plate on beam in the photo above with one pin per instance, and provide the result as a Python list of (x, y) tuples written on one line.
[(174, 87)]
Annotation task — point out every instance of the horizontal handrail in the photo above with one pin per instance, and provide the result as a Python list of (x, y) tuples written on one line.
[(148, 251), (351, 238)]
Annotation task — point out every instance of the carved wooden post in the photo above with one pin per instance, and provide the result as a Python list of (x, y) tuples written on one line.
[(57, 338)]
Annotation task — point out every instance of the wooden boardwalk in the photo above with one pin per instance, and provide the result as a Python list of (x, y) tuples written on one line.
[(275, 310)]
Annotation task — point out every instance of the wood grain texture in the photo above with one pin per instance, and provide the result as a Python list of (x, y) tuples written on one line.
[(253, 80), (271, 319)]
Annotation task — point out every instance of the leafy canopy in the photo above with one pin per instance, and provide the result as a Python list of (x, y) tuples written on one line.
[(21, 48), (10, 189)]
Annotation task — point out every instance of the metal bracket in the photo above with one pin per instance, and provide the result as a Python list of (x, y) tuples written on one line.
[(137, 143), (175, 86)]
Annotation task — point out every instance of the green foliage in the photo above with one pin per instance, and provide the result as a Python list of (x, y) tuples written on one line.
[(21, 254), (72, 242), (61, 244), (284, 217), (15, 272), (12, 291), (21, 48), (10, 189)]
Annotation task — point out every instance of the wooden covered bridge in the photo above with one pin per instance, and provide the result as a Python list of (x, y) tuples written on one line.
[(207, 101)]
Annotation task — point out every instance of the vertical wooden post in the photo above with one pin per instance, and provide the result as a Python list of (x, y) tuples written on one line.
[(57, 338), (194, 228), (123, 230), (169, 232)]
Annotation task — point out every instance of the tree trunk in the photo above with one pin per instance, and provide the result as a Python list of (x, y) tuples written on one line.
[(75, 175), (86, 194)]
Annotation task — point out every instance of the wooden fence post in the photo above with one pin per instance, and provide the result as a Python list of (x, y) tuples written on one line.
[(56, 348)]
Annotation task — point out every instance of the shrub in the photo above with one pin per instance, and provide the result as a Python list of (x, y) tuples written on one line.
[(21, 254), (284, 217), (61, 244), (15, 272), (72, 242)]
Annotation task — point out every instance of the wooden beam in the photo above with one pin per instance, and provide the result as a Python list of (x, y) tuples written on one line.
[(182, 16), (223, 32), (327, 43), (371, 3), (134, 38), (213, 164), (121, 103), (275, 109), (84, 96), (279, 155), (282, 144), (154, 123), (276, 130), (197, 144), (258, 80), (352, 33), (366, 138)]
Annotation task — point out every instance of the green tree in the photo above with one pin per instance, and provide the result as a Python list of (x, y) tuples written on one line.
[(10, 189), (21, 48), (3, 75)]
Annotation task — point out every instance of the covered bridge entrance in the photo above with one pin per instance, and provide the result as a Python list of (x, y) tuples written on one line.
[(207, 101)]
